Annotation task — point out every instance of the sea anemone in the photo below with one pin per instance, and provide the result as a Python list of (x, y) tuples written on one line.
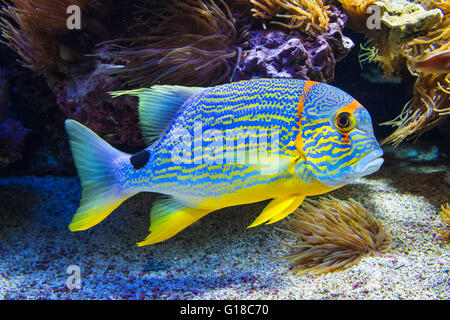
[(334, 234), (32, 27), (195, 43), (309, 16), (444, 233)]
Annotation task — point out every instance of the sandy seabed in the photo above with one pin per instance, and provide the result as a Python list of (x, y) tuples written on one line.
[(217, 257)]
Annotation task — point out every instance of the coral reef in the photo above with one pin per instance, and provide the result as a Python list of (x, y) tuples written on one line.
[(334, 234), (85, 98), (356, 12), (400, 22), (408, 31), (141, 43), (194, 37), (274, 53), (218, 44), (309, 16), (399, 19), (405, 20), (37, 31), (444, 233), (430, 105), (32, 28)]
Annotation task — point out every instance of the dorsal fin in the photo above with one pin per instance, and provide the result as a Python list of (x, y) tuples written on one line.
[(157, 106)]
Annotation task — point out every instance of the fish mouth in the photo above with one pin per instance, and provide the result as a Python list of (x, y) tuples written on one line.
[(369, 164)]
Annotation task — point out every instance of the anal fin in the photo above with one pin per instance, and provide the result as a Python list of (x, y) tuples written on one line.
[(278, 209), (168, 217)]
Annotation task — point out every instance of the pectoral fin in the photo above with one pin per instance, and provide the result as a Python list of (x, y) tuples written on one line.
[(278, 209), (168, 217)]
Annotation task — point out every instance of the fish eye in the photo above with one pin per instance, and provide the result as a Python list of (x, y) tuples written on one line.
[(345, 121)]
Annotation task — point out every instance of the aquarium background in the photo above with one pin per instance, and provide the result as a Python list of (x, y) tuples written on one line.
[(217, 257)]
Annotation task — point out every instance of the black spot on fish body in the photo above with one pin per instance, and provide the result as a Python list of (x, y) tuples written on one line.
[(140, 159)]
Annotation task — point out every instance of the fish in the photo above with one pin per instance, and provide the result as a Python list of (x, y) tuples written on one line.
[(437, 62), (227, 145)]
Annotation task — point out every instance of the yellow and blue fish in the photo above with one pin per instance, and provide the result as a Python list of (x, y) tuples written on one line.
[(295, 138)]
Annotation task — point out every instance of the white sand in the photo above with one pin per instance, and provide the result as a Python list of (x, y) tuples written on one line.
[(217, 257)]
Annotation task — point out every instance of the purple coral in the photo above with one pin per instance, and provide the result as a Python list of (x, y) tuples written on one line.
[(279, 54), (274, 55)]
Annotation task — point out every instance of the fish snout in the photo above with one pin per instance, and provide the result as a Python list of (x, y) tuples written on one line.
[(369, 164)]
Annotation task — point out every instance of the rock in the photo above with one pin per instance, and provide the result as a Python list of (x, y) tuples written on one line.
[(281, 54), (12, 141), (83, 96)]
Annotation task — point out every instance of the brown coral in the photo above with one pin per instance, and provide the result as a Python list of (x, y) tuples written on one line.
[(31, 28), (334, 234), (430, 105), (310, 16), (198, 44), (444, 233), (356, 12)]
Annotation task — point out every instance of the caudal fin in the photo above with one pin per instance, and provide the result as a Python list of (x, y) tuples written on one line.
[(96, 163)]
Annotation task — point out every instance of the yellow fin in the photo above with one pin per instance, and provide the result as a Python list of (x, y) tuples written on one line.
[(168, 217), (158, 105), (92, 212), (297, 202), (95, 161), (275, 208)]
